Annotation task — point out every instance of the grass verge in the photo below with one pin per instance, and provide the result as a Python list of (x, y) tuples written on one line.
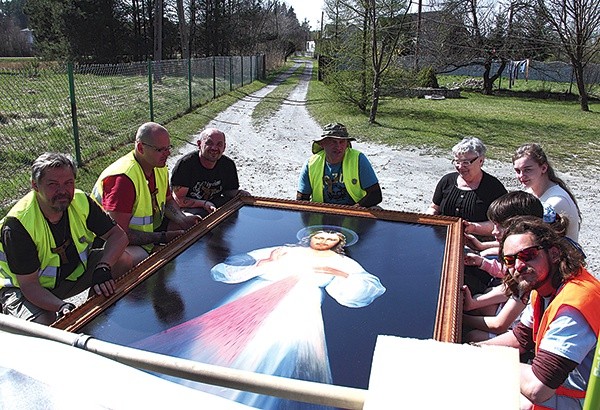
[(569, 135)]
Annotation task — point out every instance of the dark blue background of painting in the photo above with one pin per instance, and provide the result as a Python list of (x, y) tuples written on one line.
[(407, 258)]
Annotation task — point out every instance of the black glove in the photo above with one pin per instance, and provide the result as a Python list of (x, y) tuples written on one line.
[(64, 309), (101, 274)]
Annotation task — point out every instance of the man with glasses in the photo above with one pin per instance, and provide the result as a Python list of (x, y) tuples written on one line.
[(46, 249), (135, 191), (205, 180), (562, 321)]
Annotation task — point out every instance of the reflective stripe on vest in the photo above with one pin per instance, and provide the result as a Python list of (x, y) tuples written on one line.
[(143, 218), (140, 221), (28, 212), (350, 174)]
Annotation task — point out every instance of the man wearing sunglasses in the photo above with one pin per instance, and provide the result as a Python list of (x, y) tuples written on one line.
[(135, 191), (562, 321)]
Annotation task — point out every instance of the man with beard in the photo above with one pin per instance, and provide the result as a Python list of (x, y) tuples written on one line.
[(561, 323), (135, 191), (337, 173), (203, 181), (46, 253)]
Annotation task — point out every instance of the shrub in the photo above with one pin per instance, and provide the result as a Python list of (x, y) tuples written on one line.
[(427, 78)]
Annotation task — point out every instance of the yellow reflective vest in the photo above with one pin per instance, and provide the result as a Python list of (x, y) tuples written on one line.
[(28, 212), (144, 217), (350, 175)]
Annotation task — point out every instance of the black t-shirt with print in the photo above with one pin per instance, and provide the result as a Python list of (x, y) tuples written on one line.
[(203, 183)]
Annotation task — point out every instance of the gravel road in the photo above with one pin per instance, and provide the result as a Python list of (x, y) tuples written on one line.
[(269, 158)]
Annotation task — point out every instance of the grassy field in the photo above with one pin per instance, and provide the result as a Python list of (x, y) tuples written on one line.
[(35, 114), (569, 135)]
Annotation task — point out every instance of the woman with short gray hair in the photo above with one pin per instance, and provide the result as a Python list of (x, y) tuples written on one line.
[(469, 191)]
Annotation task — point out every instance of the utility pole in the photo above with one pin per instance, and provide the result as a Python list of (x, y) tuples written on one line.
[(419, 9)]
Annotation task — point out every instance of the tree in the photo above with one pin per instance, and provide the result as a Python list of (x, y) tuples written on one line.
[(13, 43), (12, 19), (367, 37), (487, 37), (122, 30), (183, 30), (577, 24), (386, 21), (345, 51), (47, 19), (13, 9)]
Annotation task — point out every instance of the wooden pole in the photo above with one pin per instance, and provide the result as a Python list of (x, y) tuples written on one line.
[(299, 390)]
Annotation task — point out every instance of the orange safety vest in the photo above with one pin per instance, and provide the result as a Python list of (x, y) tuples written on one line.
[(581, 293)]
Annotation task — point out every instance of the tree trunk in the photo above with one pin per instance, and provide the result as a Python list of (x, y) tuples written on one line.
[(362, 102), (375, 102), (183, 30), (487, 83), (583, 96), (158, 17)]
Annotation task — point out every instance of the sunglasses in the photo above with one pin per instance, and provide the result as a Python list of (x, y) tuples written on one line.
[(524, 255)]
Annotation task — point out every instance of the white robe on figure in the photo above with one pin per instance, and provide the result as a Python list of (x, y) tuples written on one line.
[(273, 323)]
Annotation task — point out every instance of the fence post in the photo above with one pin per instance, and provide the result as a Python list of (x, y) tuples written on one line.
[(150, 99), (190, 81), (214, 67), (242, 69), (230, 73), (592, 396), (74, 113), (251, 70), (571, 82), (264, 67)]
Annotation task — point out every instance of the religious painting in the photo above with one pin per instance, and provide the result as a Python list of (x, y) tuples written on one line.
[(287, 288)]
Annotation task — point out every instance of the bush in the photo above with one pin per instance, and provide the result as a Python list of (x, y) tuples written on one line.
[(427, 78)]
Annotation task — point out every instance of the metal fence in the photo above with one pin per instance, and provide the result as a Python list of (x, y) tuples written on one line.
[(88, 110)]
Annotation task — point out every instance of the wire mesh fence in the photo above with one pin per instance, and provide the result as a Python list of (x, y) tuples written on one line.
[(89, 110)]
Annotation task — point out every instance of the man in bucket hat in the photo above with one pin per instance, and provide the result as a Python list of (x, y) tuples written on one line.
[(338, 174)]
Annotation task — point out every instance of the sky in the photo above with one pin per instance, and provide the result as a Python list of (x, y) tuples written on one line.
[(307, 9)]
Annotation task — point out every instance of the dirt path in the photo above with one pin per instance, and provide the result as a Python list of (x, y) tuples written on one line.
[(269, 159)]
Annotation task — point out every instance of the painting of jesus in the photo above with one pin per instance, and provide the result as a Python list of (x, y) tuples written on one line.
[(272, 321)]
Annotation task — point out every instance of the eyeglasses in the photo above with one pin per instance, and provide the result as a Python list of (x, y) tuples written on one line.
[(160, 150), (464, 162), (525, 255)]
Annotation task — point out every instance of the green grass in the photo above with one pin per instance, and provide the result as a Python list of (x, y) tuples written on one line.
[(35, 116), (16, 62), (520, 85), (569, 135), (181, 130)]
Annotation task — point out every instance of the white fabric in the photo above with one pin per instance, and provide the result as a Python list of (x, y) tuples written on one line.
[(562, 203), (427, 374), (42, 374)]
